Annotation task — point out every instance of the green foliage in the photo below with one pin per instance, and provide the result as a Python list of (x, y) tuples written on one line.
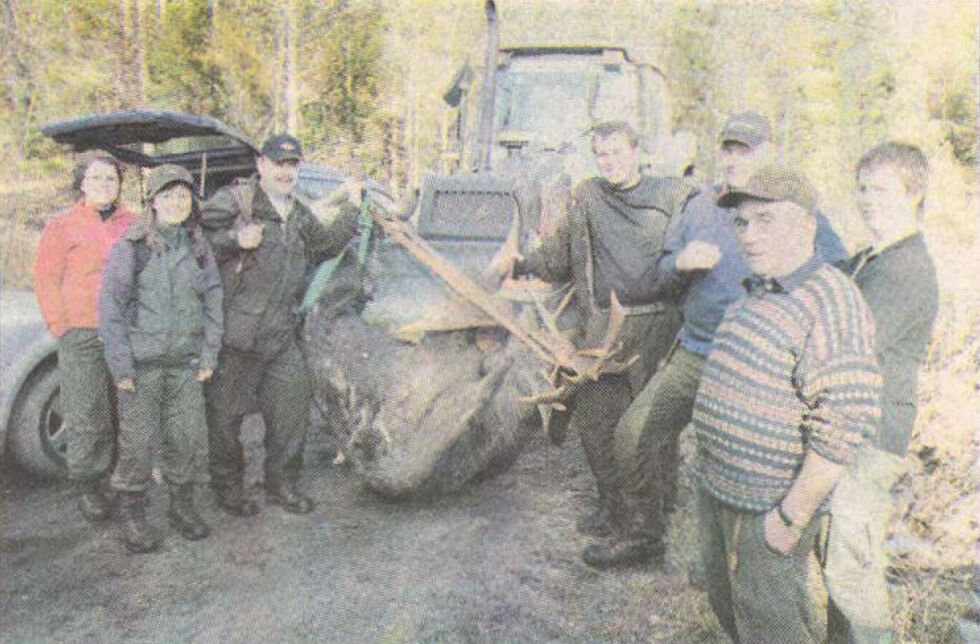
[(345, 63), (182, 72)]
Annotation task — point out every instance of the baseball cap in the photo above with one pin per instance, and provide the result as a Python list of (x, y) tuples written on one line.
[(282, 147), (161, 176), (749, 128), (774, 183)]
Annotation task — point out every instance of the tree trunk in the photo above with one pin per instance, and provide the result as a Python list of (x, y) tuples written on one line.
[(292, 71)]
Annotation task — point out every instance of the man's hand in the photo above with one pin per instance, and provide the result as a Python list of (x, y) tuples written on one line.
[(126, 384), (250, 236), (204, 374), (698, 255), (354, 189), (778, 535), (502, 263)]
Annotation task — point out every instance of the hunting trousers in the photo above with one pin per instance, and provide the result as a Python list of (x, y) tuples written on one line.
[(757, 594), (278, 385), (86, 404), (166, 410), (647, 441)]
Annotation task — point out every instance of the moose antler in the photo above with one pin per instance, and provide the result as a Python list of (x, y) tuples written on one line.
[(571, 366)]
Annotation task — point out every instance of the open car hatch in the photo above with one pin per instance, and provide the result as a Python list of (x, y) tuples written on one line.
[(208, 148)]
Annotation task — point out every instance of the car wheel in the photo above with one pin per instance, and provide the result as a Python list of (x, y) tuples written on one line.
[(37, 435)]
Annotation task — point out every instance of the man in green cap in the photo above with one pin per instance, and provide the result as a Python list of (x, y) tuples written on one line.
[(789, 391), (265, 239)]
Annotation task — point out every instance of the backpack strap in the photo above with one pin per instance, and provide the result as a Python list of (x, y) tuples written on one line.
[(243, 192)]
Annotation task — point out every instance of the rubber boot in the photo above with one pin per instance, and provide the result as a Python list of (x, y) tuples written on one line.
[(140, 537), (601, 522), (231, 497), (183, 517), (92, 501), (287, 496)]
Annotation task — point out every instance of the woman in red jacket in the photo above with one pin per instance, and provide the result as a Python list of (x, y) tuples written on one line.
[(67, 273)]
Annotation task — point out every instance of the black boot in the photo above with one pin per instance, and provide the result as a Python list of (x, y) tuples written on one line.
[(631, 550), (183, 517), (92, 501), (601, 522), (291, 500), (138, 534), (231, 497)]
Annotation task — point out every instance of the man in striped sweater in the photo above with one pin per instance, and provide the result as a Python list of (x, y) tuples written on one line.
[(789, 391)]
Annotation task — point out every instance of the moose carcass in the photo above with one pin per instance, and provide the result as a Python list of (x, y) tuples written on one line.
[(428, 379)]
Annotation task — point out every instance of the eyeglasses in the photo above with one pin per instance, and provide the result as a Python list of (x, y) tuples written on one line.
[(102, 178)]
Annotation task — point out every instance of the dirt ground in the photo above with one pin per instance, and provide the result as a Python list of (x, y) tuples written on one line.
[(497, 562)]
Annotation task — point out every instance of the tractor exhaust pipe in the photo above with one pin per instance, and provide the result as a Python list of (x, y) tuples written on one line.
[(489, 90)]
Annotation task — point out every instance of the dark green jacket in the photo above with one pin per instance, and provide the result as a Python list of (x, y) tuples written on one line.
[(160, 308), (623, 231), (264, 285), (901, 289)]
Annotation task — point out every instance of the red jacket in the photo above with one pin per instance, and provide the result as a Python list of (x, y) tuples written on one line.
[(68, 270)]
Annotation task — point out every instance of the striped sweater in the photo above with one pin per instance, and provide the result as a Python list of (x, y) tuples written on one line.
[(792, 368)]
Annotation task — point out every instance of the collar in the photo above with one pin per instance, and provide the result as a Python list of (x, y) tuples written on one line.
[(281, 205), (786, 283), (897, 242)]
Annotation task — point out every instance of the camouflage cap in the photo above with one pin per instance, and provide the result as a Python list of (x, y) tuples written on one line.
[(282, 147), (163, 175), (748, 128), (774, 183)]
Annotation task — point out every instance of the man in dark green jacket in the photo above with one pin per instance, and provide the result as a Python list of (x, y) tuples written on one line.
[(609, 242), (897, 278), (265, 239)]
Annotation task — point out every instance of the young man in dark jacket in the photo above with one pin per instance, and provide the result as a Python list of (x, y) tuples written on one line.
[(608, 242), (265, 239), (897, 278), (160, 320)]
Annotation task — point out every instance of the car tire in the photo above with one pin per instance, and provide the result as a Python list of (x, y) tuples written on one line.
[(36, 434)]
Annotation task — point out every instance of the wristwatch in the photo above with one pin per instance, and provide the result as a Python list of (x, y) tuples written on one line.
[(787, 519)]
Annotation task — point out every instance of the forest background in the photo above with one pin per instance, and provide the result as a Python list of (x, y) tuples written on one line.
[(360, 83)]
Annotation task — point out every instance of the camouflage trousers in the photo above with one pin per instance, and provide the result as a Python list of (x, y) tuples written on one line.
[(86, 404), (165, 410)]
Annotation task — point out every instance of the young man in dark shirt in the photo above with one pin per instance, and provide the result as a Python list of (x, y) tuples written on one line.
[(608, 242), (897, 278)]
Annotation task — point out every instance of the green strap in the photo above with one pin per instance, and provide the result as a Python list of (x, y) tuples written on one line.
[(364, 226), (325, 270), (319, 282)]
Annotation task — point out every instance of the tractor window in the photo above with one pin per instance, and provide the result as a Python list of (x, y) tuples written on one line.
[(551, 106), (615, 98)]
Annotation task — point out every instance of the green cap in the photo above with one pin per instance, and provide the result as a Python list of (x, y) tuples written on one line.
[(748, 128), (163, 175), (774, 183)]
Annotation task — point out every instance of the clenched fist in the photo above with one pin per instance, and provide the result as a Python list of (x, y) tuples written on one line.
[(250, 236), (698, 255)]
